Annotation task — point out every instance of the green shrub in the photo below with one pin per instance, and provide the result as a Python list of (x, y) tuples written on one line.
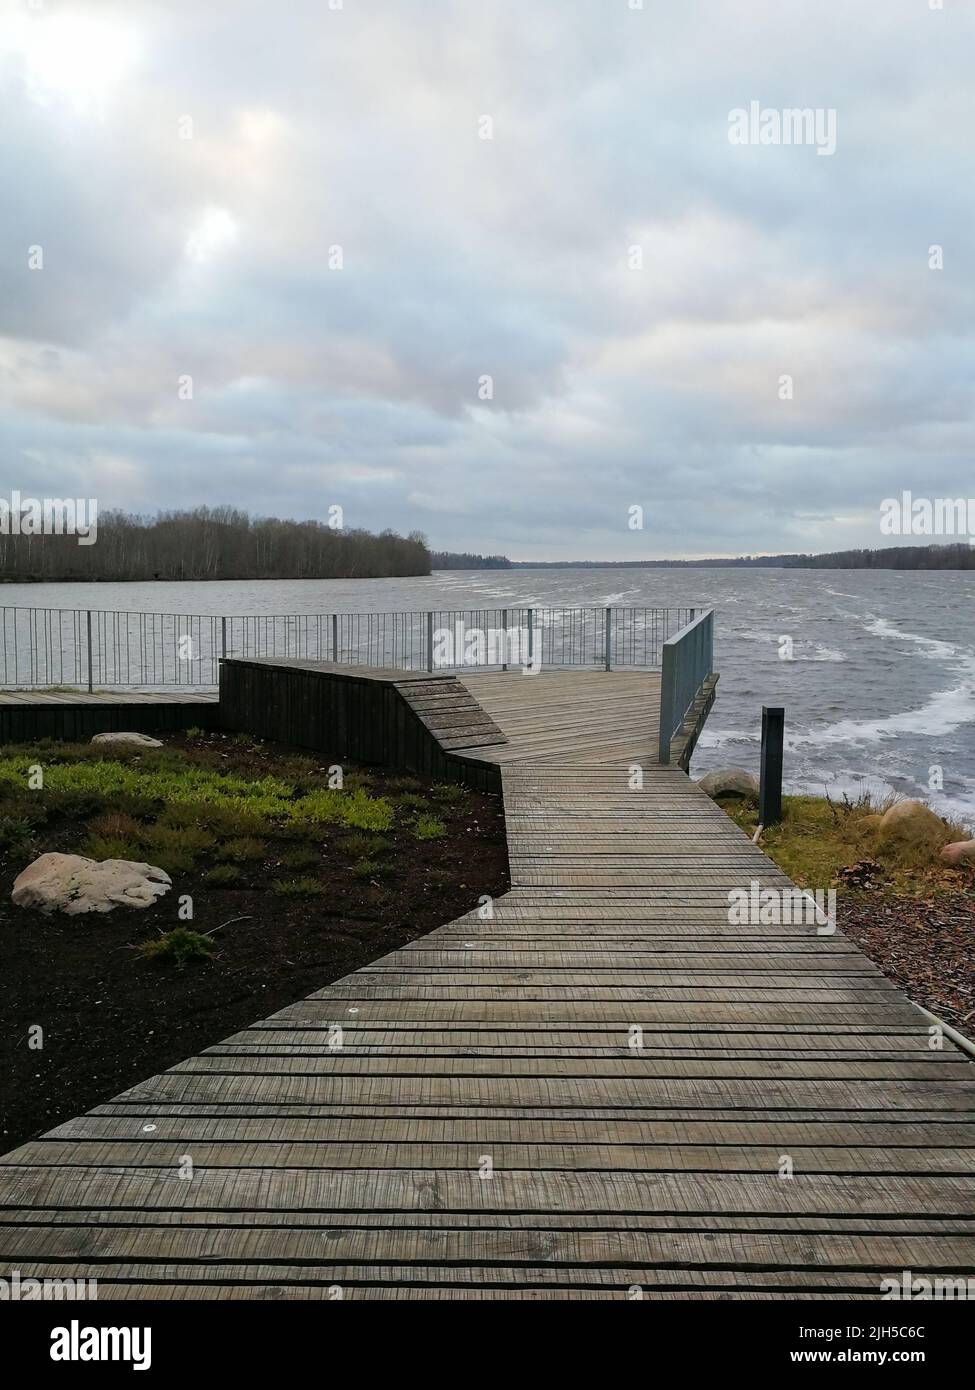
[(16, 835), (428, 828), (116, 825), (194, 731), (404, 784), (70, 802), (113, 847), (359, 845), (356, 809), (301, 857), (447, 792), (367, 868), (409, 802), (29, 807), (177, 947), (230, 820), (296, 887), (243, 849), (190, 839), (222, 876)]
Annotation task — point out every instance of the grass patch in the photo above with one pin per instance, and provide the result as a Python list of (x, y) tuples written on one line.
[(117, 825), (113, 847), (16, 835), (222, 876), (242, 850), (428, 828), (447, 792), (301, 857), (819, 838), (366, 846), (296, 887), (368, 869), (177, 947)]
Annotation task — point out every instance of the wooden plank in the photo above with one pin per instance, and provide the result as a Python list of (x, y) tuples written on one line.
[(512, 1037)]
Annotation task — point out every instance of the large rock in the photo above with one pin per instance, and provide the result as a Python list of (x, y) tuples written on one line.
[(910, 825), (729, 781), (137, 740), (72, 884), (960, 852)]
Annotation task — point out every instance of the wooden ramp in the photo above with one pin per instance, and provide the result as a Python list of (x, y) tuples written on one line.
[(598, 1086)]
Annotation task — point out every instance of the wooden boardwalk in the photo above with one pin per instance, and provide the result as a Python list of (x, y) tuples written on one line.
[(593, 1090), (29, 715)]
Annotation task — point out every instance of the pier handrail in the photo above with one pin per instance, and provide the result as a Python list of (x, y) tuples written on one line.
[(687, 660), (109, 649)]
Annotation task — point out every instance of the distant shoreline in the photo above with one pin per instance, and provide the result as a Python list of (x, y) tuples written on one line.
[(960, 556)]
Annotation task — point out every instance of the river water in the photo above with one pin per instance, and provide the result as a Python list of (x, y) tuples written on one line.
[(880, 689)]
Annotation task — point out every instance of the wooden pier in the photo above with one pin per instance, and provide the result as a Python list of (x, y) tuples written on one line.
[(597, 1087)]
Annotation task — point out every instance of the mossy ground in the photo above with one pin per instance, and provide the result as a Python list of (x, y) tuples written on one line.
[(294, 882), (820, 837)]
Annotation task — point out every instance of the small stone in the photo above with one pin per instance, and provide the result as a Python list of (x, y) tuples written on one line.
[(959, 852)]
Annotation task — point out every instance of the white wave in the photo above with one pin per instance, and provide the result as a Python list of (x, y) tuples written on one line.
[(938, 651), (945, 711), (821, 653), (836, 785), (719, 738)]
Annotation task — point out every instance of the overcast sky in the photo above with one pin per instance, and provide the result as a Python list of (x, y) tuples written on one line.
[(187, 168)]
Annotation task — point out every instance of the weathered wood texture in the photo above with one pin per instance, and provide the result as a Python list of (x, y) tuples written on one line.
[(424, 723), (597, 1082), (28, 715)]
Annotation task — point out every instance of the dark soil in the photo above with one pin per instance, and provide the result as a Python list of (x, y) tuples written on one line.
[(112, 1017), (927, 946)]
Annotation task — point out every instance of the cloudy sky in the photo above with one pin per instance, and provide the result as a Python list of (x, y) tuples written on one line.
[(188, 171)]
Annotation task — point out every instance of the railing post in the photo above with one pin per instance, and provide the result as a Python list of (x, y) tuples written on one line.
[(504, 629), (90, 682), (335, 638), (668, 673), (770, 779), (531, 636), (608, 639), (430, 639)]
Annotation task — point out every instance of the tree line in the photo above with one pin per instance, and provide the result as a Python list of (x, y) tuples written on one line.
[(463, 560), (212, 543), (894, 557)]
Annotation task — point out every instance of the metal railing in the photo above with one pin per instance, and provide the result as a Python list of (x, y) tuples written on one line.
[(687, 662), (90, 648)]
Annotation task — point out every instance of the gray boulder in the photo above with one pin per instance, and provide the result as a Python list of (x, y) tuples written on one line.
[(136, 740), (71, 884), (729, 781)]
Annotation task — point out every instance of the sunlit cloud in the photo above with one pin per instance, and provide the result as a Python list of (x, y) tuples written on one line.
[(73, 56)]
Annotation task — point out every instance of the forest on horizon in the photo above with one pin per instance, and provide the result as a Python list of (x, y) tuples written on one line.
[(211, 543)]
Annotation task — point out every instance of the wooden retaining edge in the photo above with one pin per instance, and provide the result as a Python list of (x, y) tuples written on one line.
[(419, 721), (77, 720)]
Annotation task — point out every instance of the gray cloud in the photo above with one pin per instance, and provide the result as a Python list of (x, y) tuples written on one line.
[(209, 257)]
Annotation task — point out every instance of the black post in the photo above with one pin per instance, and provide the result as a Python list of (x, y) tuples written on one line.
[(770, 780)]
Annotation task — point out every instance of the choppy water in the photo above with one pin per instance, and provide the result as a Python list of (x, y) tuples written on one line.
[(880, 690)]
